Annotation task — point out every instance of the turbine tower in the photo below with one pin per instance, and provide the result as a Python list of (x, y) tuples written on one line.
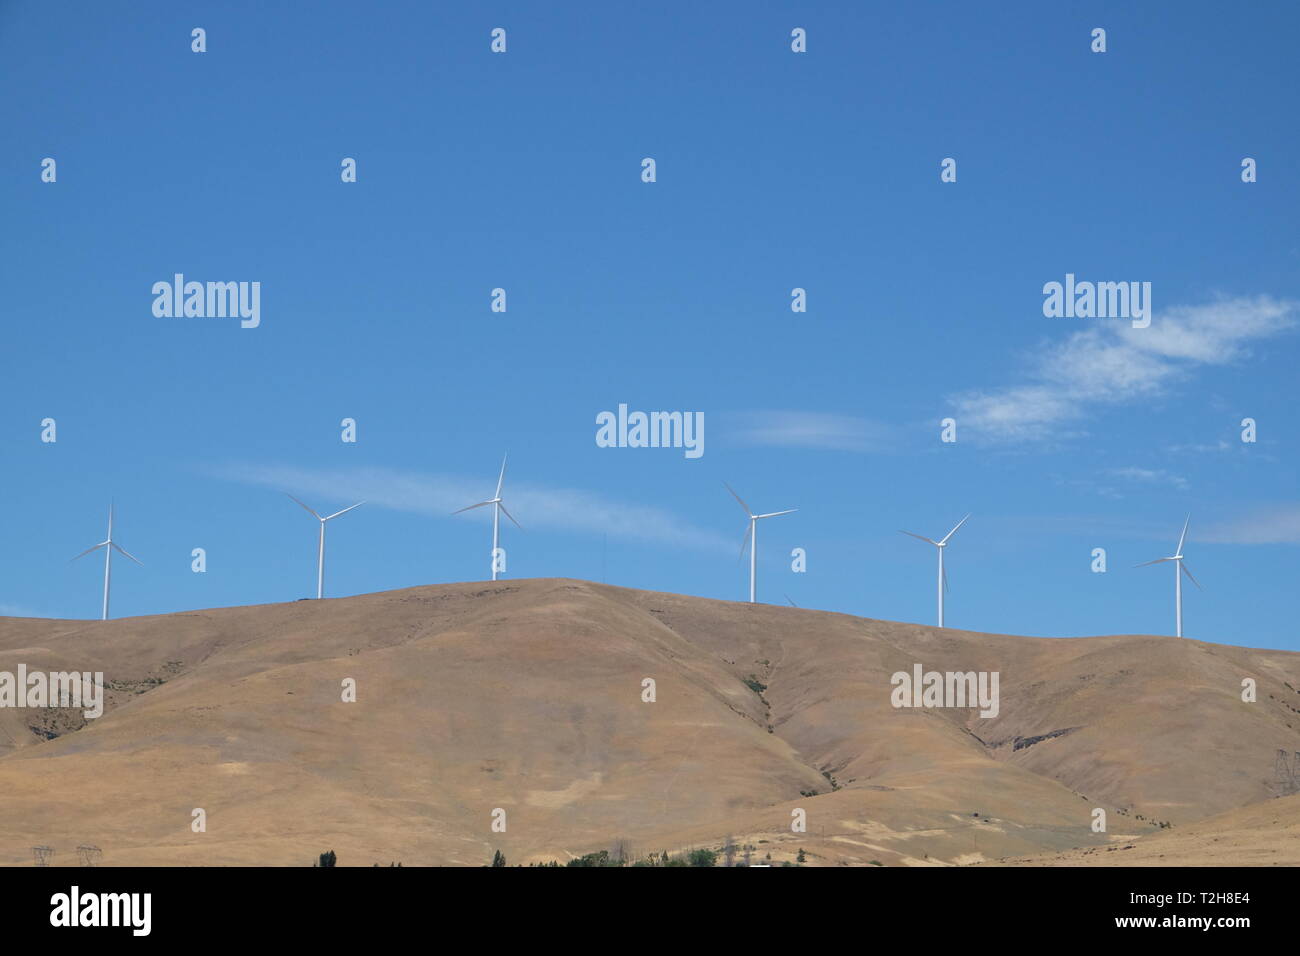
[(943, 575), (751, 538), (109, 546), (498, 505), (320, 546), (1179, 570)]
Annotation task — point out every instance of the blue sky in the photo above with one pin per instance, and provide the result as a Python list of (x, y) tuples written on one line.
[(775, 170)]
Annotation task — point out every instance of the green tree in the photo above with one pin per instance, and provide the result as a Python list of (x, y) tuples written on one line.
[(498, 859), (600, 858)]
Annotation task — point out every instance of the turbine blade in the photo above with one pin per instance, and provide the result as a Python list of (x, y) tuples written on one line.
[(94, 547), (313, 514), (1189, 575), (510, 516), (502, 477), (945, 538), (773, 514), (741, 500), (1156, 561), (920, 537), (122, 551), (344, 511), (1183, 537), (472, 507), (744, 542), (945, 580)]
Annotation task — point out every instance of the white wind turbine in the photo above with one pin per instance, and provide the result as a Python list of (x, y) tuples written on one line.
[(943, 575), (320, 547), (751, 537), (109, 546), (498, 506), (1179, 570)]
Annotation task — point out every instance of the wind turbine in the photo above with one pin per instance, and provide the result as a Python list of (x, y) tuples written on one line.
[(751, 537), (940, 544), (498, 506), (109, 546), (320, 547), (1179, 570)]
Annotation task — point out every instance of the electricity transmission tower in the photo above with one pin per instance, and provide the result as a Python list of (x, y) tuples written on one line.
[(89, 853), (1285, 773), (43, 854)]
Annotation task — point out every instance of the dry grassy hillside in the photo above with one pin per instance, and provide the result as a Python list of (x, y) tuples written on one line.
[(527, 696), (1262, 834)]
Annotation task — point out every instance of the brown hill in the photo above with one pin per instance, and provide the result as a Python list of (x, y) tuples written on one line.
[(527, 697), (1262, 834)]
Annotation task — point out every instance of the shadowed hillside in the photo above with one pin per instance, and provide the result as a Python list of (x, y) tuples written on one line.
[(527, 696)]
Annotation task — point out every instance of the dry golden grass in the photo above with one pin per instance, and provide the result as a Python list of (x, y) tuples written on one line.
[(526, 696)]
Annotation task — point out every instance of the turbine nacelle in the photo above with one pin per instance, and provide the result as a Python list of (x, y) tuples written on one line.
[(313, 513)]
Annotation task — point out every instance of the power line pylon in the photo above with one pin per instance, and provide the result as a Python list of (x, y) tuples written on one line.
[(1284, 773), (89, 853)]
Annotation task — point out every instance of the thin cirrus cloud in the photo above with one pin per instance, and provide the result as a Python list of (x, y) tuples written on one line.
[(819, 430), (1150, 476), (1112, 363), (436, 496), (1274, 524)]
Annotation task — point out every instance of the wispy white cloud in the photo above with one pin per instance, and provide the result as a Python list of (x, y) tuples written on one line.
[(787, 429), (1150, 476), (1201, 447), (436, 496), (1111, 363), (1273, 524)]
